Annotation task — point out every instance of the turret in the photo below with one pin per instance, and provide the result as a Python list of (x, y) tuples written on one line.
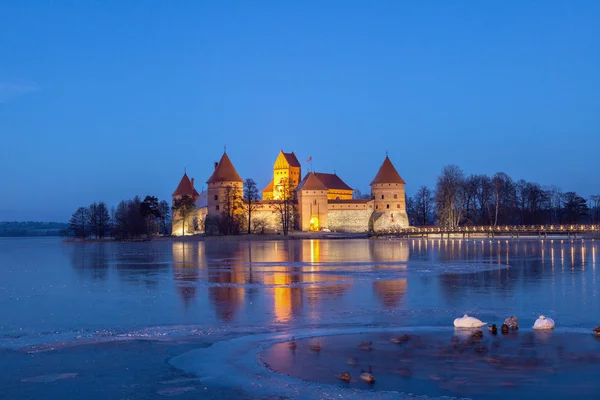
[(387, 192), (224, 186), (311, 193)]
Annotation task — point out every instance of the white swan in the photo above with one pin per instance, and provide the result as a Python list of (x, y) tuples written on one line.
[(468, 322), (543, 323)]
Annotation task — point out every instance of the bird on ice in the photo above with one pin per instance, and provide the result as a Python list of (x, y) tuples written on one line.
[(468, 322), (543, 323), (512, 322)]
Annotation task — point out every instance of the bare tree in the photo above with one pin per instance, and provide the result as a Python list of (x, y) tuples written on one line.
[(165, 217), (449, 199), (285, 205), (503, 195), (423, 202), (251, 197), (79, 223), (230, 219), (576, 208)]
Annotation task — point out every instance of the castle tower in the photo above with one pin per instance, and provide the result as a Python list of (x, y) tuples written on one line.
[(387, 191), (185, 187), (224, 186), (286, 168), (312, 203)]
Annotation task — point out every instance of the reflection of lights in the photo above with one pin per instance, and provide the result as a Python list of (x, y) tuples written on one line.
[(572, 258), (314, 251)]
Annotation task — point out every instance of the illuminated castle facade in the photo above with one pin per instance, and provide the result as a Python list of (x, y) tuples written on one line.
[(322, 201)]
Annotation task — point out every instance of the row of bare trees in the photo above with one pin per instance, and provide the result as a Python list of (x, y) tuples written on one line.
[(130, 219), (459, 199)]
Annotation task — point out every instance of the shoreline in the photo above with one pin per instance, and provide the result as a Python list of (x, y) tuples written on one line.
[(322, 236)]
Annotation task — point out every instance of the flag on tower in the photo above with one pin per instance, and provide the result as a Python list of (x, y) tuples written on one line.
[(309, 159)]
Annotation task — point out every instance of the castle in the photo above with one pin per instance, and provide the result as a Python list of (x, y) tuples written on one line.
[(322, 201)]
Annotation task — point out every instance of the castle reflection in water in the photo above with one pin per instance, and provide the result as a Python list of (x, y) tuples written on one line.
[(309, 281), (296, 275)]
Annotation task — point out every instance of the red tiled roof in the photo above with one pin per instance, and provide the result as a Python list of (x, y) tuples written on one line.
[(185, 187), (269, 187), (332, 181), (291, 159), (387, 174), (311, 182), (225, 172)]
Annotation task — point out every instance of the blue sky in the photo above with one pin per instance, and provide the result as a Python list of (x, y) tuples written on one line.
[(103, 100)]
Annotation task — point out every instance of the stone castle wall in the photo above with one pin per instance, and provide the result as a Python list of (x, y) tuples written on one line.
[(349, 220), (269, 218), (193, 225), (389, 221)]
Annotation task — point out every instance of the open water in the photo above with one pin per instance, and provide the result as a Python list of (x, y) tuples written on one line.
[(213, 319)]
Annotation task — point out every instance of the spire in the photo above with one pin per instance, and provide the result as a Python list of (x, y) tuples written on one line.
[(224, 172), (387, 173), (186, 187)]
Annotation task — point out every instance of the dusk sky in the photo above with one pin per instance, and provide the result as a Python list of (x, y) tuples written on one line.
[(105, 100)]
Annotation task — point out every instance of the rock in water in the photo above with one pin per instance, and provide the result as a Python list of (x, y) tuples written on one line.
[(543, 323), (468, 322)]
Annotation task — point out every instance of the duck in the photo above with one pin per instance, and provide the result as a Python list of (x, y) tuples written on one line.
[(543, 323), (504, 328), (400, 339), (512, 322), (315, 347), (468, 322), (367, 376), (493, 329), (292, 345), (597, 331), (366, 346), (345, 376), (352, 361)]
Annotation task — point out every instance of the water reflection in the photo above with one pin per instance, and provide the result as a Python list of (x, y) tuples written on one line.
[(281, 282)]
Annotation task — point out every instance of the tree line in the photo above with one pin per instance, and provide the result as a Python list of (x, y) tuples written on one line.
[(130, 219), (460, 200)]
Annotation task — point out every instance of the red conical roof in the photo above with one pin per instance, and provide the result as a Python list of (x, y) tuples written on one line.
[(224, 172), (387, 173), (185, 187), (311, 182)]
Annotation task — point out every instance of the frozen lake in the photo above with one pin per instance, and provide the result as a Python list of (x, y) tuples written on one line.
[(140, 320)]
